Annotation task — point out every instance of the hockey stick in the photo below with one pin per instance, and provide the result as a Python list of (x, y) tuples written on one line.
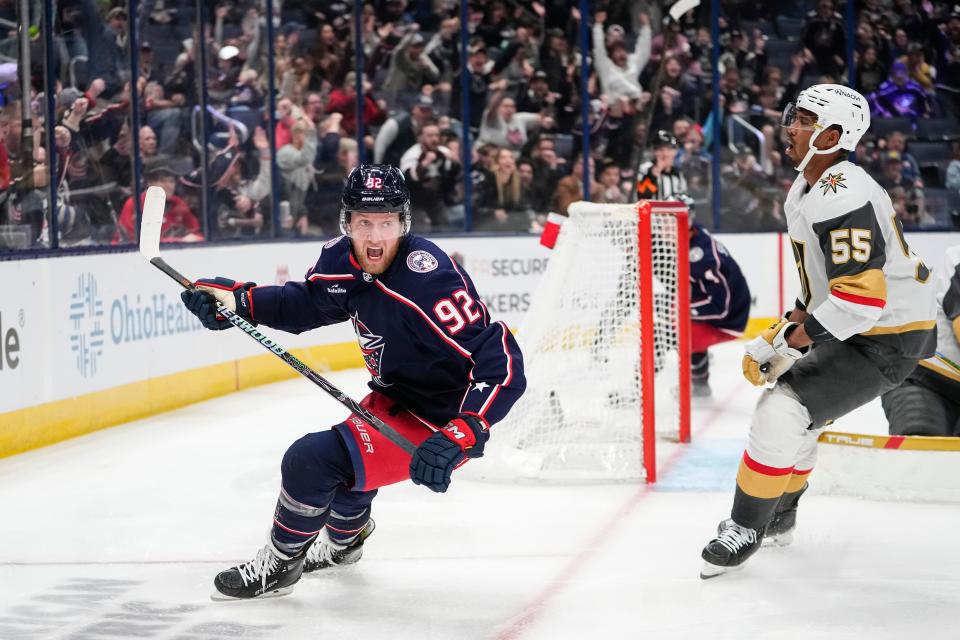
[(150, 249), (950, 363)]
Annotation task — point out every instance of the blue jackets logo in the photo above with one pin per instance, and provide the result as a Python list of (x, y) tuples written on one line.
[(421, 262), (86, 315), (371, 346)]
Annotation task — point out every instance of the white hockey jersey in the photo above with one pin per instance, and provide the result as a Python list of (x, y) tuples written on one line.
[(857, 274), (947, 276)]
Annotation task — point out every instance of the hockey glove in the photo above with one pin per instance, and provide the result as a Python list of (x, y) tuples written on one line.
[(434, 461), (202, 301), (770, 348)]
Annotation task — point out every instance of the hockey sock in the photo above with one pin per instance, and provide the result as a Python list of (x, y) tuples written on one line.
[(759, 488), (296, 524), (344, 529), (699, 367)]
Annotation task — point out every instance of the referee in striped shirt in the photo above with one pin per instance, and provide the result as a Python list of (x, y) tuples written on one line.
[(658, 179)]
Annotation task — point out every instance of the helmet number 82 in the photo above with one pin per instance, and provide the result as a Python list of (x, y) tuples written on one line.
[(374, 182), (849, 243)]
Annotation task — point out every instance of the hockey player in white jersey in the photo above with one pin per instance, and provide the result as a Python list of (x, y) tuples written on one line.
[(864, 318), (928, 401)]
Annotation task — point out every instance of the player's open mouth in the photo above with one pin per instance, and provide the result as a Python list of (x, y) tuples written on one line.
[(374, 254)]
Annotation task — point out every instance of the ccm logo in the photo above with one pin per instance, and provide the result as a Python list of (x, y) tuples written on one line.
[(364, 434)]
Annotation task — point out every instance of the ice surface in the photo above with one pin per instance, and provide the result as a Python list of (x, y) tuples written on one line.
[(119, 534)]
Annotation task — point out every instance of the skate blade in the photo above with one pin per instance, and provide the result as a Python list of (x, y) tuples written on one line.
[(216, 596), (710, 570), (782, 540)]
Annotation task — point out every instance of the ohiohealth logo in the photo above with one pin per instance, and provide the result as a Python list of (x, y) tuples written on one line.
[(86, 314)]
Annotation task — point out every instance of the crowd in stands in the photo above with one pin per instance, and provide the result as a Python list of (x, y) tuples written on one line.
[(203, 81)]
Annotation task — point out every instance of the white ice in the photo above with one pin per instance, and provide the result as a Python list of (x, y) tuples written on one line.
[(119, 534)]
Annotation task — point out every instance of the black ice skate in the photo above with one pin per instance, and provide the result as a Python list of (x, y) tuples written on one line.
[(324, 553), (779, 533), (269, 574), (732, 547)]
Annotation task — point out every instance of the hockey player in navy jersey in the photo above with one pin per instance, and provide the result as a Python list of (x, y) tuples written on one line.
[(442, 371), (719, 300)]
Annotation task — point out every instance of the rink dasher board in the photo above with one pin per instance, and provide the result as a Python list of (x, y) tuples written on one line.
[(882, 467)]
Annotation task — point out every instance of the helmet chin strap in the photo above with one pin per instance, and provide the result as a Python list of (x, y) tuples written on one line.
[(813, 151)]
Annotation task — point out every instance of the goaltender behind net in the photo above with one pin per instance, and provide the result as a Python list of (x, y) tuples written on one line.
[(865, 317), (442, 373)]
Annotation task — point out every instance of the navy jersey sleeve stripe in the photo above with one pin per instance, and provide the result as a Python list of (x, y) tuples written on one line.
[(330, 276)]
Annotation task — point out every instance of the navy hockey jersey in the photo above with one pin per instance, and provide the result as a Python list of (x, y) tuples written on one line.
[(718, 291), (426, 337)]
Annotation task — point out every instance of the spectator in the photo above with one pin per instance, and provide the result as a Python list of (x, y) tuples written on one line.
[(871, 72), (953, 169), (914, 214), (433, 176), (897, 141), (501, 206), (899, 96), (619, 69), (237, 201), (295, 161), (179, 223), (163, 116), (825, 38), (570, 188), (482, 73), (893, 172), (611, 187), (343, 100), (86, 203), (535, 96), (750, 201), (400, 132), (917, 67), (337, 156), (410, 67), (504, 127), (535, 196), (107, 44), (148, 147)]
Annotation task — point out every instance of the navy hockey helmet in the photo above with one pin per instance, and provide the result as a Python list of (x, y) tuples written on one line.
[(375, 188)]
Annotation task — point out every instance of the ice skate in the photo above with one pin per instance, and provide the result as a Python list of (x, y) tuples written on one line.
[(779, 533), (325, 553), (270, 574), (732, 547), (701, 391)]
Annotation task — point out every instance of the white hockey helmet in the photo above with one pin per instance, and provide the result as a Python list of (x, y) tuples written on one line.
[(833, 104)]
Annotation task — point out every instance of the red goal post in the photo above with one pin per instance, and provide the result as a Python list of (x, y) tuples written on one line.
[(655, 221)]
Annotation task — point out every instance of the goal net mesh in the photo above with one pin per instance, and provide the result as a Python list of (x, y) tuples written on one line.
[(582, 415)]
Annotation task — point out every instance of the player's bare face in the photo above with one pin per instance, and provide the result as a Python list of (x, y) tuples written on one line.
[(375, 238), (800, 125)]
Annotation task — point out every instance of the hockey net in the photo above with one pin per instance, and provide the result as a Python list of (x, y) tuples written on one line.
[(606, 347)]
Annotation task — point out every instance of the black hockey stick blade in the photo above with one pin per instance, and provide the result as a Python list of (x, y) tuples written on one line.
[(150, 226)]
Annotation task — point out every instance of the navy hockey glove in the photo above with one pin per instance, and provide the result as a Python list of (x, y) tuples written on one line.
[(202, 301), (441, 453)]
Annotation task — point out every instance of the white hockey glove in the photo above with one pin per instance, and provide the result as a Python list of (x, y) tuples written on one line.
[(768, 355)]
